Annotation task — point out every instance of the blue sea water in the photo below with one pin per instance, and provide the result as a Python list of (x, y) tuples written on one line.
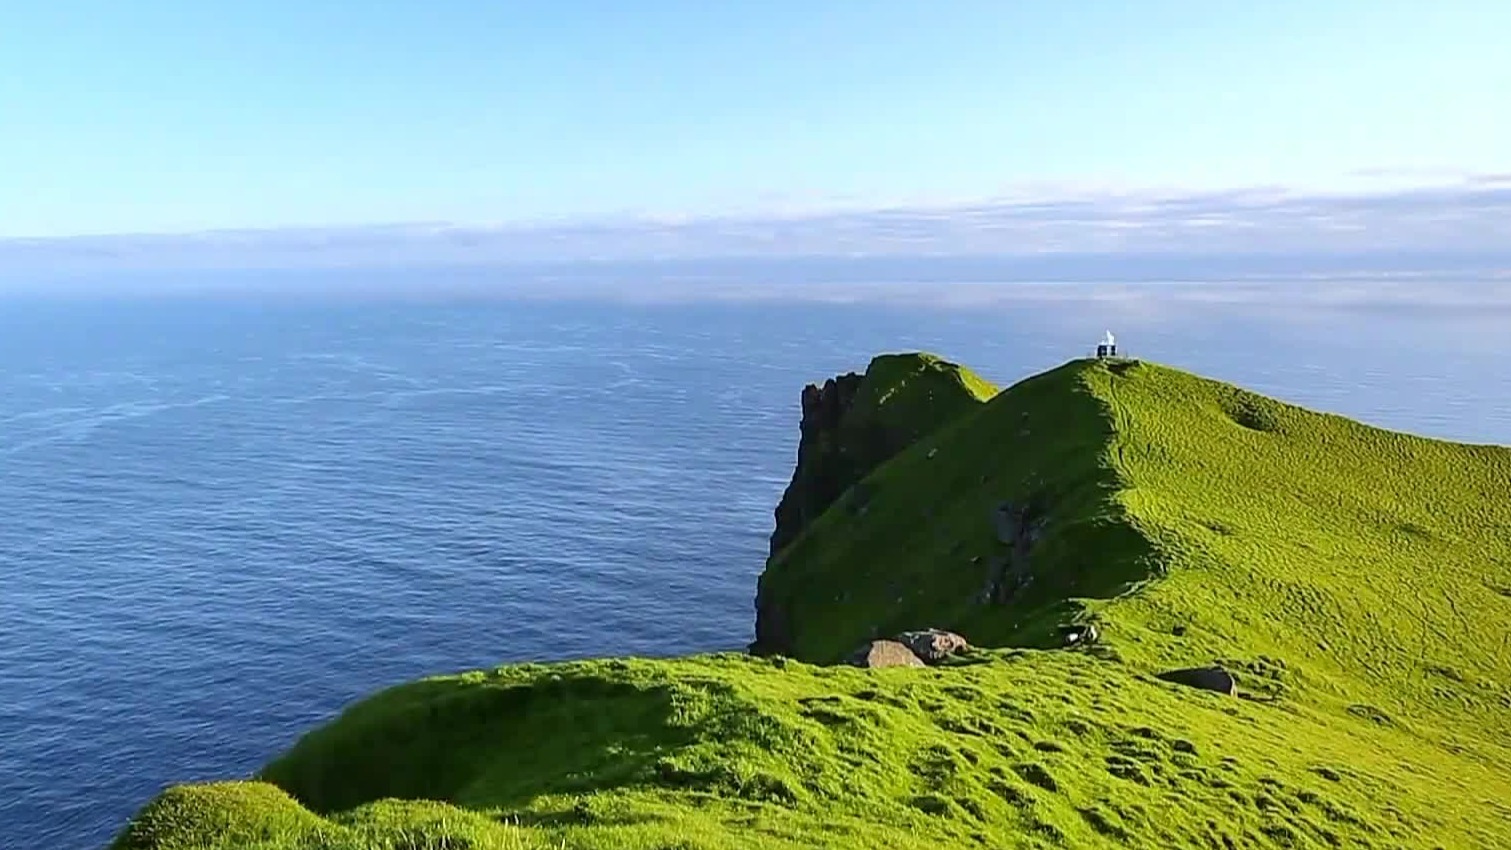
[(222, 519)]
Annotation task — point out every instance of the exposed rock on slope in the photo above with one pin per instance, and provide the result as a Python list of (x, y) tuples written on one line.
[(885, 653), (826, 464), (933, 645)]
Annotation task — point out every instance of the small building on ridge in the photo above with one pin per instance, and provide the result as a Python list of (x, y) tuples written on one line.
[(1108, 347)]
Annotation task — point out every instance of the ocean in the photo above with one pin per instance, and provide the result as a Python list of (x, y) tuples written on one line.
[(224, 518)]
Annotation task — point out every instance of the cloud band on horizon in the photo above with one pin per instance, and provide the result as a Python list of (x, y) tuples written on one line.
[(1464, 220)]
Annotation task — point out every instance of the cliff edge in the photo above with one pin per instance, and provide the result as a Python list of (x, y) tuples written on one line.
[(851, 424)]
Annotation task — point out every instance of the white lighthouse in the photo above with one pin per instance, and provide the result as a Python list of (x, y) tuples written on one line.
[(1108, 347)]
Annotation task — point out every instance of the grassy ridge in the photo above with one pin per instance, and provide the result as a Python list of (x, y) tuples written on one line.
[(1357, 580), (1376, 564)]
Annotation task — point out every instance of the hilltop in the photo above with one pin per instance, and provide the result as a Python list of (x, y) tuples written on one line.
[(854, 423), (1355, 581)]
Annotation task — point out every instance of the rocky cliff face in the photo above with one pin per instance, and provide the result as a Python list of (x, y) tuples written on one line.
[(851, 424), (826, 465)]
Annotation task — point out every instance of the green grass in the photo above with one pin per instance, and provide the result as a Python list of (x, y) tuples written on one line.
[(917, 392), (1357, 581), (922, 550), (899, 399)]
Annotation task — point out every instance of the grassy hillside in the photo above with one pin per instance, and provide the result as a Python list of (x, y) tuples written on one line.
[(1357, 581), (1375, 564), (854, 423), (917, 543)]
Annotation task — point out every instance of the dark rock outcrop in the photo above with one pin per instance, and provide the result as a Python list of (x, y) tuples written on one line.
[(826, 466), (885, 653), (1206, 678), (773, 631), (824, 471), (1017, 526), (933, 645)]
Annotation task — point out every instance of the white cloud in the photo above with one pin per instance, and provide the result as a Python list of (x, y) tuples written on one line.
[(1389, 221)]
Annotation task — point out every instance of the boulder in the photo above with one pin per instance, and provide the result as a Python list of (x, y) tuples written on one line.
[(933, 645), (1207, 678), (885, 653)]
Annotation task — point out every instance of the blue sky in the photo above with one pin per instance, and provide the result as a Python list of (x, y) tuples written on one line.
[(168, 117)]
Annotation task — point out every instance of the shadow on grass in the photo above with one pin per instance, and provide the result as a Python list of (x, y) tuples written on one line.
[(476, 741)]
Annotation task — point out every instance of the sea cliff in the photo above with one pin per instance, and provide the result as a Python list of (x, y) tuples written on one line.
[(1195, 616)]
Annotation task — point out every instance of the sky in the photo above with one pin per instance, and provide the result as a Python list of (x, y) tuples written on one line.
[(405, 120)]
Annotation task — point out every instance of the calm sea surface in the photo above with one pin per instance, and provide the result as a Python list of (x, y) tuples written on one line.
[(222, 520)]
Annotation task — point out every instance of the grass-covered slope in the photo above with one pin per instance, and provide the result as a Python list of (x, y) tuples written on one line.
[(1358, 581), (853, 423), (1195, 521), (1377, 565), (1018, 750)]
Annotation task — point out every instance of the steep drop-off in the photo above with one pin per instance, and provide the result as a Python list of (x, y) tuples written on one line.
[(1355, 583), (850, 425)]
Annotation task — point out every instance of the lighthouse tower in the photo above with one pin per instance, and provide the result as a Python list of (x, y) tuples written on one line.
[(1108, 347)]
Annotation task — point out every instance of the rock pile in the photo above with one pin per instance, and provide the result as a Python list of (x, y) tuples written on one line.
[(910, 649), (933, 645)]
